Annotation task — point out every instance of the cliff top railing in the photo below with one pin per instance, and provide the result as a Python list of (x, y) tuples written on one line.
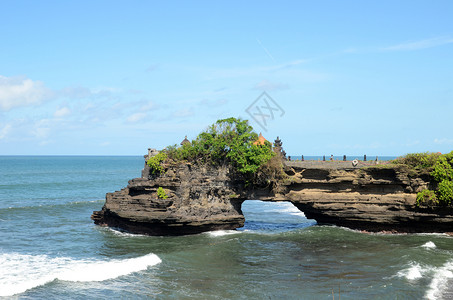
[(335, 164)]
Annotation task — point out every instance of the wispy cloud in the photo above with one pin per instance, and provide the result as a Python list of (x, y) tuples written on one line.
[(136, 117), (5, 130), (62, 112), (183, 113), (255, 71), (151, 68), (443, 141), (266, 85), (21, 91), (421, 44), (42, 129), (265, 50), (213, 103)]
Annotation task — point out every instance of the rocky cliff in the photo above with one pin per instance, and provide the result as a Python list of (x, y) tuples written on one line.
[(370, 198), (203, 198), (199, 199)]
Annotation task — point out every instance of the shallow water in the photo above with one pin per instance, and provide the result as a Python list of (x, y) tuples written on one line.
[(49, 247)]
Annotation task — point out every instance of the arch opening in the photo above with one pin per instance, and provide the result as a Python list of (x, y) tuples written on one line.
[(273, 217)]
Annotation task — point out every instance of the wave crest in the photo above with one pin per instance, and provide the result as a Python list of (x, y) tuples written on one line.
[(23, 272)]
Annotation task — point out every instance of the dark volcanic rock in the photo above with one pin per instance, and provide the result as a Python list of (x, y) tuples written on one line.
[(199, 199), (204, 198)]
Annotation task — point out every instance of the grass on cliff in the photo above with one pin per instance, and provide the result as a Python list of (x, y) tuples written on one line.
[(440, 169), (229, 141)]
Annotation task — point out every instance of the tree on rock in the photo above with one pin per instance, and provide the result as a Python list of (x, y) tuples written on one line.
[(227, 141)]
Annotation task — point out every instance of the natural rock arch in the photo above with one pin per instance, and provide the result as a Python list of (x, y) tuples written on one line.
[(204, 198)]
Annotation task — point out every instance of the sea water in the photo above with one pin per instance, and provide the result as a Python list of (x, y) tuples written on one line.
[(50, 249)]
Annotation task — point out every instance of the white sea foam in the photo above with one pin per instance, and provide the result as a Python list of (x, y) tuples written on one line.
[(124, 233), (413, 272), (440, 281), (218, 233), (21, 272), (285, 207), (429, 245)]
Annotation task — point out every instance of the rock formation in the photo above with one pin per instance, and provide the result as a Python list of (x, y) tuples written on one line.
[(371, 198), (199, 199), (204, 198)]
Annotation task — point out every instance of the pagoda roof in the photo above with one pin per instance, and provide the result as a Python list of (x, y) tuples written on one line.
[(185, 141), (260, 141)]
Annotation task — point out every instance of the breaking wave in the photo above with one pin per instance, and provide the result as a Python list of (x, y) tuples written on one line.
[(429, 245), (21, 272), (439, 283), (439, 277)]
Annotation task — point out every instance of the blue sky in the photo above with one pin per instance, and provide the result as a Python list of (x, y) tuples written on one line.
[(116, 77)]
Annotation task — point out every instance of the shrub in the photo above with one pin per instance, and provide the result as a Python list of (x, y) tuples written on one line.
[(440, 167), (155, 162), (427, 197), (445, 192), (418, 161), (161, 194), (442, 170)]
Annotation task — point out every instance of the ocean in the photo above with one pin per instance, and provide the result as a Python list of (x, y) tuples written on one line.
[(50, 249)]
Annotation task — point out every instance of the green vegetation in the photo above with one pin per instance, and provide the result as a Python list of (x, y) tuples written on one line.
[(440, 168), (228, 141), (418, 161), (155, 163), (427, 197), (161, 194)]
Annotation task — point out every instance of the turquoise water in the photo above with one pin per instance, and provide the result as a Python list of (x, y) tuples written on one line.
[(49, 247)]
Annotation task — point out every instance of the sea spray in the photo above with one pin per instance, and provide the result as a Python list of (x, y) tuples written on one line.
[(429, 245), (413, 272)]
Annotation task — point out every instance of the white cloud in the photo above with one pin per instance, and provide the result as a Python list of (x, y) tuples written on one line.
[(422, 44), (149, 106), (42, 128), (80, 92), (21, 91), (5, 130), (75, 92), (41, 132), (443, 141), (62, 112), (136, 117), (266, 85)]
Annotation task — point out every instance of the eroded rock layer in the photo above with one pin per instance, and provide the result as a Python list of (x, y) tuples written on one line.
[(372, 199), (203, 198), (198, 199)]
